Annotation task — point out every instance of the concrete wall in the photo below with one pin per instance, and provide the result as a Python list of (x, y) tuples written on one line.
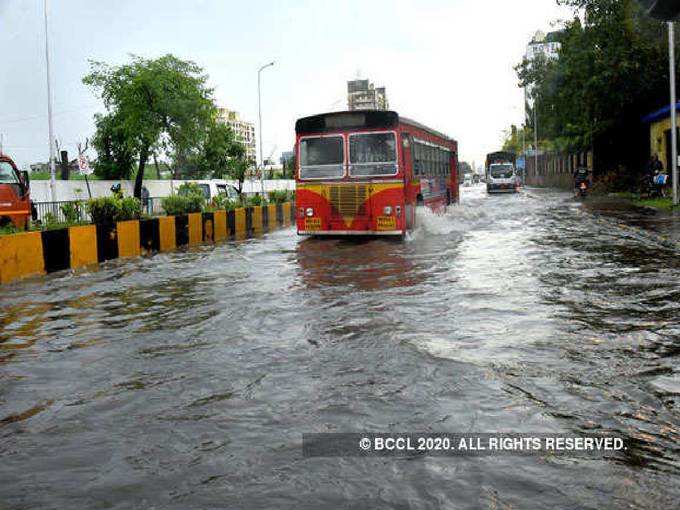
[(657, 139), (77, 190)]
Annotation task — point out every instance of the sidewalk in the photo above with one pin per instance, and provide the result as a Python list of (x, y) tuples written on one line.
[(662, 225)]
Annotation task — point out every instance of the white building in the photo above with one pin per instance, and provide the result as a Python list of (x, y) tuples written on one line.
[(545, 44), (244, 130), (362, 95)]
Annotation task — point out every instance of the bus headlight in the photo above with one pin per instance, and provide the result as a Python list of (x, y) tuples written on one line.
[(387, 210), (310, 211), (398, 209)]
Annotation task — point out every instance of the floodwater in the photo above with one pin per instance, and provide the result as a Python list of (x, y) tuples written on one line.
[(186, 380)]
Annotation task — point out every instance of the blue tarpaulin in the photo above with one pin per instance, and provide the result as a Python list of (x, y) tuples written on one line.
[(660, 114)]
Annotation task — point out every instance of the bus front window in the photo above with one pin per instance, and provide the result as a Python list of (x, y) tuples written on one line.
[(502, 171), (372, 154), (322, 157)]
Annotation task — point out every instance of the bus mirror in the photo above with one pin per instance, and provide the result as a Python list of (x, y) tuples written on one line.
[(26, 179)]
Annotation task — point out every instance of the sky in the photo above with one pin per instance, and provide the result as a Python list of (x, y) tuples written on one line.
[(445, 63)]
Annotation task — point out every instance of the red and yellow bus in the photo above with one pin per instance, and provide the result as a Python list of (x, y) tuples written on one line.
[(364, 173)]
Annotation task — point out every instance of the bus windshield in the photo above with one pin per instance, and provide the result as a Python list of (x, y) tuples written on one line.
[(321, 157), (372, 154), (502, 171)]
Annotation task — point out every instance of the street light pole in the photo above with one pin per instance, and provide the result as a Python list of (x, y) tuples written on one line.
[(259, 113), (674, 123), (535, 140), (53, 179)]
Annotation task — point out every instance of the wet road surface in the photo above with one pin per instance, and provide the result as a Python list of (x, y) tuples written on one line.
[(186, 380)]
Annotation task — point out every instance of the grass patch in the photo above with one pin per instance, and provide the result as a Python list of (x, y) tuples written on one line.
[(664, 204)]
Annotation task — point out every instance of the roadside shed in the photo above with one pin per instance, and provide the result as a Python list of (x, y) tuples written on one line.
[(660, 133)]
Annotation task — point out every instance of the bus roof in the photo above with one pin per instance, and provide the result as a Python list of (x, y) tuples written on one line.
[(358, 119), (418, 125)]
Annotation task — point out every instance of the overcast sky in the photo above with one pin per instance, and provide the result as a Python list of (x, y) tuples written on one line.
[(448, 64)]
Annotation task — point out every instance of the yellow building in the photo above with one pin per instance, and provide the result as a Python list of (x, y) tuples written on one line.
[(244, 130), (660, 134)]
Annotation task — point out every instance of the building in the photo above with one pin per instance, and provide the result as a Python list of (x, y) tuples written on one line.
[(544, 44), (660, 134), (362, 95), (244, 130)]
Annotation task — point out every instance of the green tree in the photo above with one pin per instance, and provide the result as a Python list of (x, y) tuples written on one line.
[(154, 103), (611, 71), (238, 170), (516, 139), (289, 168), (116, 160)]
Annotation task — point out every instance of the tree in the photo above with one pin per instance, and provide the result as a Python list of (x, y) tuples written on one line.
[(517, 138), (153, 103), (239, 165), (115, 159), (611, 71), (220, 149), (289, 168)]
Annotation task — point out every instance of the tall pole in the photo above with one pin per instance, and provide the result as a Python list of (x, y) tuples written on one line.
[(535, 139), (53, 172), (259, 114), (674, 123)]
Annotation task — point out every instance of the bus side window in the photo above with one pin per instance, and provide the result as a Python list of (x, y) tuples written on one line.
[(416, 158), (426, 160)]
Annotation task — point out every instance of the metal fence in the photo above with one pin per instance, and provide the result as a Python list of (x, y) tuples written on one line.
[(75, 210)]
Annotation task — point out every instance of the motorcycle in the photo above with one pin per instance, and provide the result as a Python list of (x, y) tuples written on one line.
[(581, 190)]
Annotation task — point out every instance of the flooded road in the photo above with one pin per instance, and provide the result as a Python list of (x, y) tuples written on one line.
[(186, 380)]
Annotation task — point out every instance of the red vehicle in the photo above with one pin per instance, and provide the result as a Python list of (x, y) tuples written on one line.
[(364, 173), (15, 199)]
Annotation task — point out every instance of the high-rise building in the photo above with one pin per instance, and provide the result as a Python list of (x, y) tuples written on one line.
[(362, 95), (244, 130)]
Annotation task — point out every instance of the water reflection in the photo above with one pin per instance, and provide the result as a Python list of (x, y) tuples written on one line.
[(362, 264)]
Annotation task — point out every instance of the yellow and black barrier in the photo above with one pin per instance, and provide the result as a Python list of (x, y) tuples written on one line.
[(37, 253)]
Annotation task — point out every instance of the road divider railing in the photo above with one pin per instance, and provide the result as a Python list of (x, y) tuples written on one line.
[(37, 253)]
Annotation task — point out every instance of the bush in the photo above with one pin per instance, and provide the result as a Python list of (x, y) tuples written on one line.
[(175, 205), (51, 222), (130, 209), (278, 197), (223, 202), (190, 188), (8, 229), (189, 199), (72, 211), (253, 200), (108, 210), (613, 182)]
